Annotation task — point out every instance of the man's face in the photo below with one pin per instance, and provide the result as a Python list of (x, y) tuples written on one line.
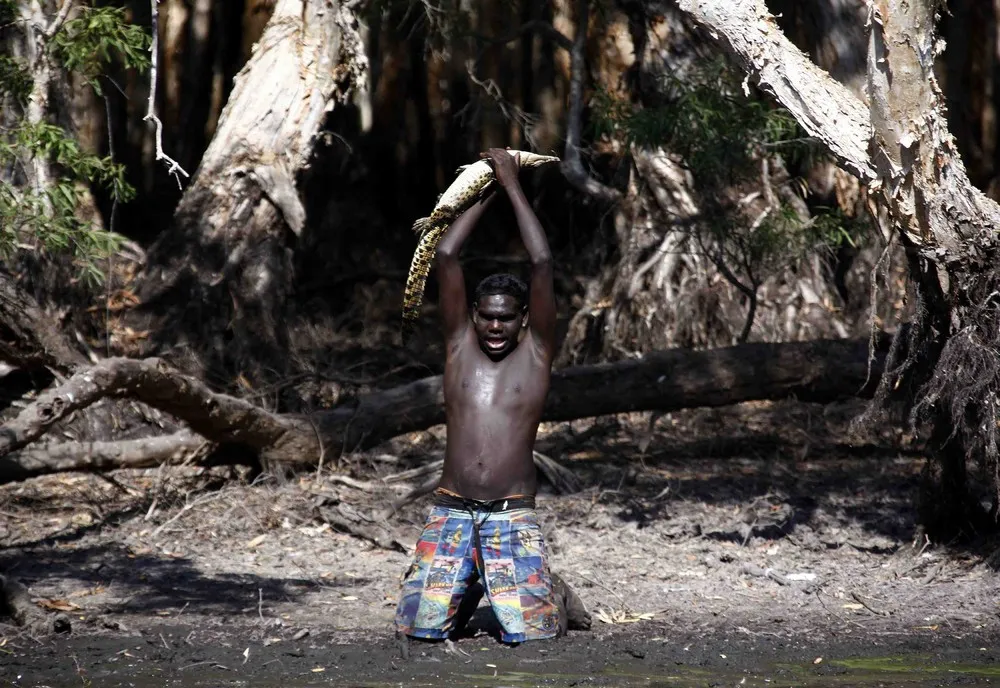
[(498, 319)]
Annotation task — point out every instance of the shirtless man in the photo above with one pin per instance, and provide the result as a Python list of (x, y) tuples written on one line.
[(497, 370)]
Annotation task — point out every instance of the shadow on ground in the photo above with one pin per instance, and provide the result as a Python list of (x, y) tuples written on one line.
[(144, 582)]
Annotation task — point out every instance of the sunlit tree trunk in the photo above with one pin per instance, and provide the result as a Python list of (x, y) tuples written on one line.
[(215, 289)]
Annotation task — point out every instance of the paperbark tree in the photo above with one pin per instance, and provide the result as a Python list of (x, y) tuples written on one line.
[(215, 289), (946, 367)]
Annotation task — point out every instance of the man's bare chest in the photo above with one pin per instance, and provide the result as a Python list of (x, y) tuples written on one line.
[(491, 386)]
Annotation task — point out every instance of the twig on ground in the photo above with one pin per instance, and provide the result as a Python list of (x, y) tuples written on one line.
[(363, 531), (184, 509), (932, 574), (754, 570), (363, 485), (833, 613), (864, 603), (322, 447), (418, 472), (621, 599), (563, 479)]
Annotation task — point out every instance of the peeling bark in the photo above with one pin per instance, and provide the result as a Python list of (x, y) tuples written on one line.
[(948, 372), (102, 456), (228, 260), (920, 173)]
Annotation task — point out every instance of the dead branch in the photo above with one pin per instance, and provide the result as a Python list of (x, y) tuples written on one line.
[(863, 601), (561, 478), (216, 416), (102, 456), (418, 472), (572, 164), (372, 532), (754, 570), (16, 603), (173, 167), (818, 371)]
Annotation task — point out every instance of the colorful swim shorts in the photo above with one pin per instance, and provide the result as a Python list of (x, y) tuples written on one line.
[(510, 558)]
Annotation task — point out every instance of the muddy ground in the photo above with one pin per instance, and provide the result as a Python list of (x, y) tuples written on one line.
[(753, 545)]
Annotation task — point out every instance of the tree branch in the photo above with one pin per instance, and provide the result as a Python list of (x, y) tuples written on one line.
[(101, 456), (215, 416), (173, 167), (819, 371), (572, 165), (59, 19), (825, 108)]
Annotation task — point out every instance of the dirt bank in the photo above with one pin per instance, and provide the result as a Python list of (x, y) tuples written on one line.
[(742, 543)]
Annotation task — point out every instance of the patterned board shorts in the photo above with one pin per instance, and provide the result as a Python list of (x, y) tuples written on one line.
[(517, 582)]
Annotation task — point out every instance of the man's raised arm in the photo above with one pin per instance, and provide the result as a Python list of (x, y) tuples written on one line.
[(452, 298), (542, 299)]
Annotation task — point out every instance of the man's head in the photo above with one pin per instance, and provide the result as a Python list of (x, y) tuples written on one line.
[(499, 311)]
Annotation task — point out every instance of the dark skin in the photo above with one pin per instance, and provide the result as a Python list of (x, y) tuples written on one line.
[(495, 379)]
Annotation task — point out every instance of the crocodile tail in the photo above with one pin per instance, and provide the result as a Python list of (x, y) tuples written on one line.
[(416, 279)]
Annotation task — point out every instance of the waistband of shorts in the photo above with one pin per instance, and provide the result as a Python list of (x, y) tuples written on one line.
[(451, 500)]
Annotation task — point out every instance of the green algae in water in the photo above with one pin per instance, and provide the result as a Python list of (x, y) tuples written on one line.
[(918, 664)]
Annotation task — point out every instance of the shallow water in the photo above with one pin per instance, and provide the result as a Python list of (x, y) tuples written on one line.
[(880, 672)]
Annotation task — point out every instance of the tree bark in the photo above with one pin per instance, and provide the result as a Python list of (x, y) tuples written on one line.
[(824, 108), (820, 371), (102, 456), (28, 338), (216, 287), (900, 146)]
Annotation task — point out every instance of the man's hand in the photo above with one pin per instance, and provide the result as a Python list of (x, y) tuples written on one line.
[(505, 166)]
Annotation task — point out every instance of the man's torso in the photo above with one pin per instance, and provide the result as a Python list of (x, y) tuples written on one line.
[(493, 410)]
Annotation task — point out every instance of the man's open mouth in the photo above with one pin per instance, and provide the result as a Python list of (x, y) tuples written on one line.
[(495, 344)]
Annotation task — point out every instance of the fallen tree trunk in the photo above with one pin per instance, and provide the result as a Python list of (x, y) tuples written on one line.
[(16, 603), (149, 452), (819, 371)]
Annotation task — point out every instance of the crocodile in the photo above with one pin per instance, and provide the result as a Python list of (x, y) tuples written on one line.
[(473, 183)]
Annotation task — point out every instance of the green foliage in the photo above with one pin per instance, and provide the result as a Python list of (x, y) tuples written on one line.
[(89, 43), (15, 80), (8, 12), (723, 137), (707, 120), (46, 216)]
